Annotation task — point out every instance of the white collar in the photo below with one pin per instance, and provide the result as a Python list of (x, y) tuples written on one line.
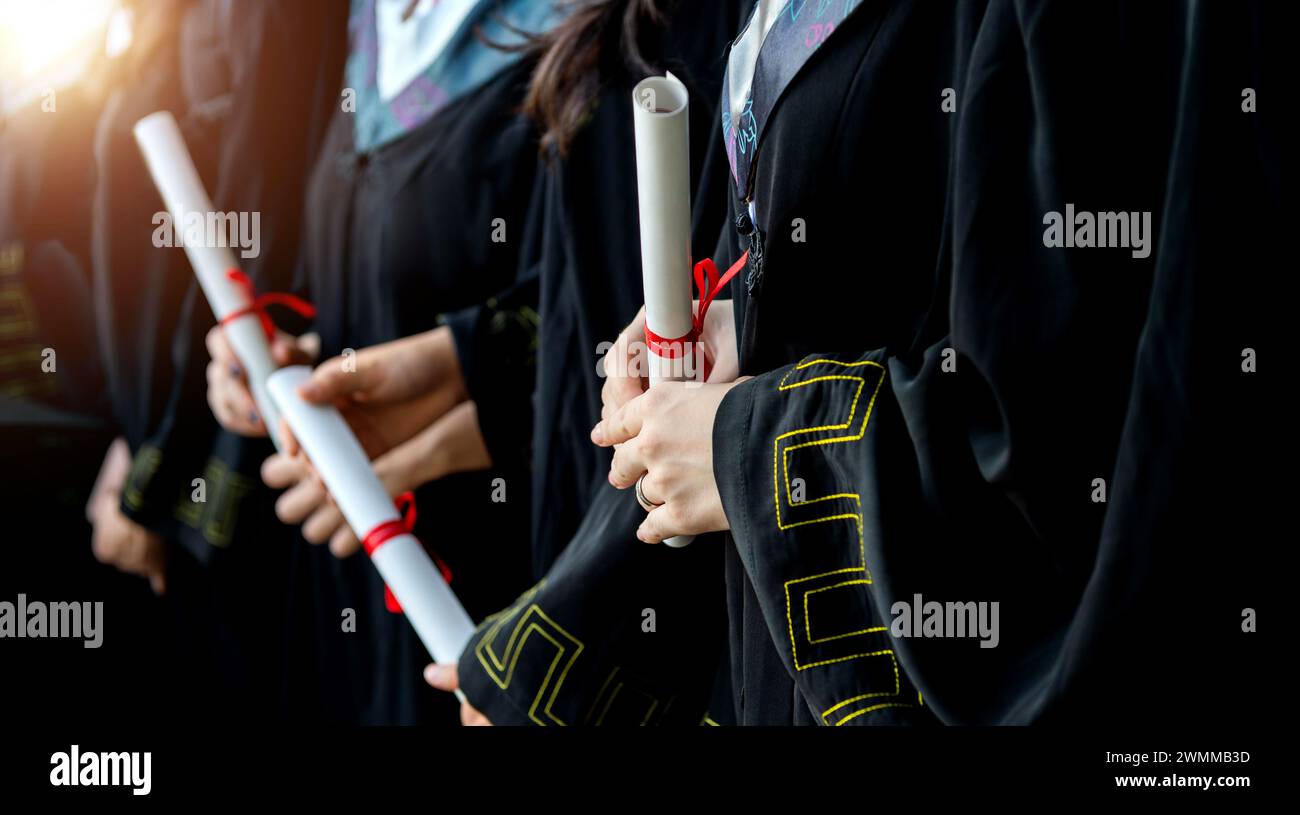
[(407, 48), (743, 61)]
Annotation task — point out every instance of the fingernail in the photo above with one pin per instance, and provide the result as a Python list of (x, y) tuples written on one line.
[(431, 674), (598, 435), (307, 391)]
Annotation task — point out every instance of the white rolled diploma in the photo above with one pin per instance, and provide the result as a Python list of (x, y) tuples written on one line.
[(661, 119), (182, 192), (426, 599)]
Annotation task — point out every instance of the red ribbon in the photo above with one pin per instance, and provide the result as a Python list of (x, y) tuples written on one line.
[(709, 283), (257, 304), (388, 530)]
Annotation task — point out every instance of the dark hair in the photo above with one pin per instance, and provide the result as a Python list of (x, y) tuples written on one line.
[(597, 41)]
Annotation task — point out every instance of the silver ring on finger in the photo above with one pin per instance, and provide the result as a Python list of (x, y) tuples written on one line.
[(646, 503)]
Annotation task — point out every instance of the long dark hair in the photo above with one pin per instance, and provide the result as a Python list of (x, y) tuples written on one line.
[(599, 40)]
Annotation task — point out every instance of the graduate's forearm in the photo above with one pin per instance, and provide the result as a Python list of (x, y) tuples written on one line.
[(452, 444)]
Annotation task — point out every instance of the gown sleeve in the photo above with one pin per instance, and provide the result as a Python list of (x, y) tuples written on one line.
[(617, 633), (1057, 439), (147, 317), (496, 346)]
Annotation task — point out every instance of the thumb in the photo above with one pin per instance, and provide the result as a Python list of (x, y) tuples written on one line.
[(285, 351), (442, 677), (333, 380)]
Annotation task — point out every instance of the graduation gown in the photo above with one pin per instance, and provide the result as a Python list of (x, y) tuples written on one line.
[(251, 92), (54, 424), (145, 305), (633, 631), (394, 238), (931, 412)]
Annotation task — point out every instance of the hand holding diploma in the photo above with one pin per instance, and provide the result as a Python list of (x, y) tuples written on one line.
[(409, 572), (407, 404), (664, 435), (230, 294), (391, 392), (229, 395), (451, 444)]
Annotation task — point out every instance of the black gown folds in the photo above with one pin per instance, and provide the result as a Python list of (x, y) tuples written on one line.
[(615, 631), (940, 396), (394, 238), (252, 91)]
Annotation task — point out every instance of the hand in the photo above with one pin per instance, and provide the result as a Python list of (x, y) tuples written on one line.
[(111, 478), (388, 393), (452, 444), (228, 394), (445, 677), (625, 368), (667, 434), (117, 540)]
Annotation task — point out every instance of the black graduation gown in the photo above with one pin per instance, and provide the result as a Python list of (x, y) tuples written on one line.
[(585, 617), (46, 179), (393, 239), (976, 483), (54, 427), (145, 304), (250, 94)]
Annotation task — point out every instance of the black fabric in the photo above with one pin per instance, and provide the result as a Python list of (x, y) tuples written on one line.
[(857, 146), (595, 577), (393, 239), (248, 89), (617, 633), (145, 308), (284, 61), (976, 484), (46, 179)]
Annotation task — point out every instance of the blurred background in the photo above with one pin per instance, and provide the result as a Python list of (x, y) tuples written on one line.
[(59, 62)]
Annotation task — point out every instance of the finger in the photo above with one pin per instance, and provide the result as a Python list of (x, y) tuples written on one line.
[(333, 380), (470, 717), (242, 408), (298, 502), (344, 543), (653, 489), (221, 352), (133, 557), (323, 523), (285, 351), (280, 471), (158, 583), (628, 465), (625, 423), (219, 412), (106, 542), (620, 390), (218, 400), (659, 524), (442, 677), (288, 441)]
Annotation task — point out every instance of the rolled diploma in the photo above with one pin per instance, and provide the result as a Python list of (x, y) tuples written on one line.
[(426, 599), (661, 119), (182, 192)]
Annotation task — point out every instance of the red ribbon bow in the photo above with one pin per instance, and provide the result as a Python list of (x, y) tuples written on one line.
[(257, 304), (709, 283), (388, 530)]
